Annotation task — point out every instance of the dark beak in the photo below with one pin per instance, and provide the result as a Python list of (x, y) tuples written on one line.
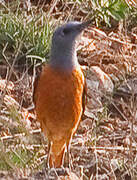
[(85, 24)]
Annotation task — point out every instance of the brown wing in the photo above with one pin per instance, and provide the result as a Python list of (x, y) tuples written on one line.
[(84, 97), (38, 73)]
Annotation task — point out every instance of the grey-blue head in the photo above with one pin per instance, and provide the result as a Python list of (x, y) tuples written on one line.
[(63, 50)]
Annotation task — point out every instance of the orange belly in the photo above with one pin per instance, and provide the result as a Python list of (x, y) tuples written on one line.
[(58, 99), (59, 102)]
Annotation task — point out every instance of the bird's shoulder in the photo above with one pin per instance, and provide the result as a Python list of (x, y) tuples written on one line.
[(50, 74)]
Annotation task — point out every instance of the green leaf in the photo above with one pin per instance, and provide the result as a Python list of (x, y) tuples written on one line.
[(118, 15)]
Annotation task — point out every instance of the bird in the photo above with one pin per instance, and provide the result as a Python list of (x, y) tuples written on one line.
[(59, 92)]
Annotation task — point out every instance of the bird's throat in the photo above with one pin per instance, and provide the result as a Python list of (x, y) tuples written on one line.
[(63, 59)]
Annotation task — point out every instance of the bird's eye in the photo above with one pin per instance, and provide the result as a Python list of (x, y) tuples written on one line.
[(66, 30)]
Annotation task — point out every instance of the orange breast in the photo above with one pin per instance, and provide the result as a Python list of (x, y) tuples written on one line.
[(59, 102)]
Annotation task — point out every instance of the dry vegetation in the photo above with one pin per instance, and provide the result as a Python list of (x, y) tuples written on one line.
[(105, 145)]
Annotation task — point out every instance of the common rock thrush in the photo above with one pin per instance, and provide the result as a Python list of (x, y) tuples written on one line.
[(58, 94)]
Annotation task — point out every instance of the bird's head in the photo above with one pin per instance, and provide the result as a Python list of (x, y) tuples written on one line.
[(63, 51), (67, 34)]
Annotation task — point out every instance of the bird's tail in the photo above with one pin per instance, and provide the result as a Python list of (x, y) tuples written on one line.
[(56, 154)]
